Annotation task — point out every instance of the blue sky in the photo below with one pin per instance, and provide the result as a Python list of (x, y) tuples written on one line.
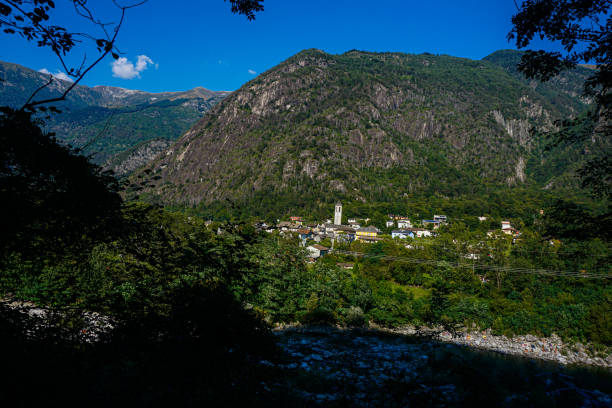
[(201, 43)]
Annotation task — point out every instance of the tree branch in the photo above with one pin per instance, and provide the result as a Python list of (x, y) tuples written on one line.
[(108, 48), (37, 91)]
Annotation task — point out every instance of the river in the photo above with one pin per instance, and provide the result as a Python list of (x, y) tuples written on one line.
[(329, 367)]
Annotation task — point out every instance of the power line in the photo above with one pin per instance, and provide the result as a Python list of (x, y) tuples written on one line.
[(416, 245), (493, 268)]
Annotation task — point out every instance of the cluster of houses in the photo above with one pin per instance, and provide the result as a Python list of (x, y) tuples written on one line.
[(337, 232), (405, 229)]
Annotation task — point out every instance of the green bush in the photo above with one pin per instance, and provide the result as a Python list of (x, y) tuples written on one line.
[(355, 317), (320, 315)]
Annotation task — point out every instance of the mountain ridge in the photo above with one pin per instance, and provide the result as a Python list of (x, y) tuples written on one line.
[(359, 126), (110, 120)]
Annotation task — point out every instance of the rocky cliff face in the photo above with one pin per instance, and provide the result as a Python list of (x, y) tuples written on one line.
[(360, 126), (125, 163)]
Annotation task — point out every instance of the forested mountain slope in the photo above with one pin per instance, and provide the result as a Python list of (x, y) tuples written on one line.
[(553, 165), (360, 126), (121, 127)]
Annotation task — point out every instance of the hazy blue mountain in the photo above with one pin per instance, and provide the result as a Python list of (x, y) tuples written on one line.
[(108, 121)]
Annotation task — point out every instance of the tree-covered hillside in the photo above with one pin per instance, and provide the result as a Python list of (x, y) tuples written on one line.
[(554, 164), (362, 127)]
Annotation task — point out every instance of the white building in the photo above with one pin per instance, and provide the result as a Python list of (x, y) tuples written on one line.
[(389, 224), (420, 233), (338, 214), (404, 224), (317, 250), (402, 234)]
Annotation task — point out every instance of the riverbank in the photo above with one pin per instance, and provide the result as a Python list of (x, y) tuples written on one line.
[(542, 348), (332, 367)]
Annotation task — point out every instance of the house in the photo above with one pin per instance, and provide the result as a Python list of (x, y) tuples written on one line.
[(352, 221), (287, 226), (404, 223), (435, 223), (345, 228), (313, 227), (369, 240), (261, 225), (305, 233), (317, 250), (421, 232), (389, 224), (344, 233), (402, 234), (440, 218), (481, 219), (346, 265), (367, 232), (342, 237), (330, 228), (283, 226), (297, 220), (508, 229), (354, 225)]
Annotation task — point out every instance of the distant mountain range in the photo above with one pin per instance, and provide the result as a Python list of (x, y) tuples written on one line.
[(368, 127), (120, 128)]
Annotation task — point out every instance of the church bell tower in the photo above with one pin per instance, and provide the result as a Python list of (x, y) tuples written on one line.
[(338, 214)]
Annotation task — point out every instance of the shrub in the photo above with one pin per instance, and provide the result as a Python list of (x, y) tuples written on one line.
[(320, 315), (355, 317)]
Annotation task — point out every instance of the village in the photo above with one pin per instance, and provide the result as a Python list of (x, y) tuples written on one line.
[(313, 235)]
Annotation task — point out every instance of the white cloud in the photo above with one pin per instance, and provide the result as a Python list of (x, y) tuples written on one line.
[(122, 68), (252, 72), (59, 74)]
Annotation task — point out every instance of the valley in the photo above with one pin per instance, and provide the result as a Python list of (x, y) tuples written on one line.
[(347, 226)]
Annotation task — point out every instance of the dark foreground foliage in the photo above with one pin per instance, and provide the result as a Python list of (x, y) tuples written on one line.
[(203, 351)]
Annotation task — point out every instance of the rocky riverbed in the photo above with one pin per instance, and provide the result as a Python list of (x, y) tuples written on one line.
[(544, 348), (332, 367)]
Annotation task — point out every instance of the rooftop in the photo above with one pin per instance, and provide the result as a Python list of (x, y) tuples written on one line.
[(371, 228)]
